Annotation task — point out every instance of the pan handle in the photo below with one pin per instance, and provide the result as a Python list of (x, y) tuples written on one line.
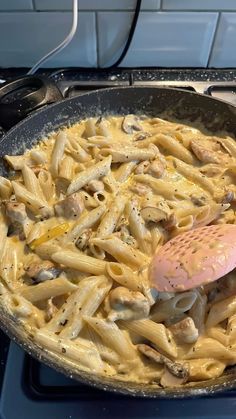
[(21, 96)]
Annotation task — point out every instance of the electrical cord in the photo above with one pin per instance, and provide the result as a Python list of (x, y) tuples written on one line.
[(71, 34), (63, 44), (130, 37)]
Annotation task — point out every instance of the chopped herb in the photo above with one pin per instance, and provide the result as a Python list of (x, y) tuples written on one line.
[(63, 323)]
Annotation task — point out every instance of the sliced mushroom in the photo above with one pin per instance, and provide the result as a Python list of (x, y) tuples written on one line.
[(123, 304), (42, 271), (185, 331), (16, 211), (170, 379), (70, 207), (95, 186), (141, 136), (151, 353), (153, 214), (130, 124), (174, 374), (20, 222), (228, 197), (83, 239), (199, 201)]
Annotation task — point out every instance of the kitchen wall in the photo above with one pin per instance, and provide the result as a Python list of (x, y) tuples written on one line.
[(170, 33)]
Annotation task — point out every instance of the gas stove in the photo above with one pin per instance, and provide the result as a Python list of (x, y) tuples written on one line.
[(32, 390)]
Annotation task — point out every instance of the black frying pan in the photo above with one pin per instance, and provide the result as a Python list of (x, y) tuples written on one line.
[(215, 114)]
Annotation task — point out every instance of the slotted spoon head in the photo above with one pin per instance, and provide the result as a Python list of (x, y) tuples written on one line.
[(194, 258)]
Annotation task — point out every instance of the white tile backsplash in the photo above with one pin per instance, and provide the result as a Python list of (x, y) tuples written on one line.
[(96, 4), (169, 33), (8, 5), (199, 5), (161, 38), (35, 34), (224, 51)]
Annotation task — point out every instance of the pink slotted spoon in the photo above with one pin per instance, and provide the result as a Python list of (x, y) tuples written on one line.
[(194, 258)]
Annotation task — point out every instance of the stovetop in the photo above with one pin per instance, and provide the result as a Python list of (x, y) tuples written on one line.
[(32, 390)]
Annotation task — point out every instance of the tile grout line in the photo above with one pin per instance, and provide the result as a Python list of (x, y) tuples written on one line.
[(213, 40), (117, 10), (97, 40), (34, 6)]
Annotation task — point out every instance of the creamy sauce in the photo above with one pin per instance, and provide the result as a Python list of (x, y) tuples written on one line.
[(50, 312)]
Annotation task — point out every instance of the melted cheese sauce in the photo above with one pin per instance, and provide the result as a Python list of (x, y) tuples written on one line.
[(28, 244)]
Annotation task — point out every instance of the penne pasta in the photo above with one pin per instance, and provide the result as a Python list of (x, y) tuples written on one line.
[(213, 348), (198, 312), (80, 261), (66, 169), (175, 306), (9, 262), (94, 172), (3, 230), (218, 333), (112, 336), (17, 162), (194, 175), (124, 171), (111, 217), (124, 276), (205, 368), (31, 182), (47, 185), (73, 304), (121, 251), (204, 215), (76, 151), (31, 201), (86, 357), (80, 220), (87, 220), (47, 289), (174, 147), (107, 354), (161, 187), (5, 188), (155, 333), (138, 228), (128, 154), (221, 311), (90, 306), (25, 310), (58, 152)]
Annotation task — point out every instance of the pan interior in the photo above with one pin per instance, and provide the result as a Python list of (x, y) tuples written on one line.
[(185, 106)]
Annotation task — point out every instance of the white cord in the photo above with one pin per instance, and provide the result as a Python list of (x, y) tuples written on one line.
[(63, 44)]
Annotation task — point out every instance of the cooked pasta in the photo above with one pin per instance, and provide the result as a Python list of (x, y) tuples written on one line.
[(80, 221)]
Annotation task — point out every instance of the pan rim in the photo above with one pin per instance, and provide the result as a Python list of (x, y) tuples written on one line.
[(11, 327), (120, 88)]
